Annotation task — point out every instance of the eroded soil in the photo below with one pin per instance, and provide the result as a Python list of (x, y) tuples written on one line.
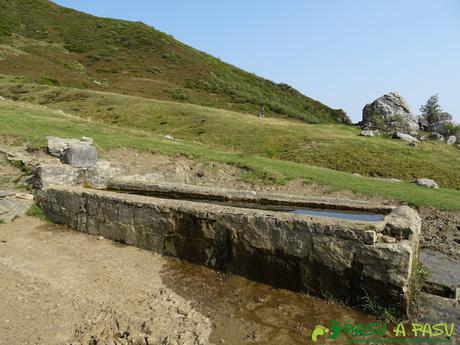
[(60, 286)]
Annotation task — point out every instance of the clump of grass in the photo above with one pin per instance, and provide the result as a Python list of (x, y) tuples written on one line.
[(2, 221), (419, 278), (37, 212), (87, 184), (181, 95), (385, 313)]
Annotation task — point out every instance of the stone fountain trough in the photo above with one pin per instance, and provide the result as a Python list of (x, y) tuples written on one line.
[(255, 235)]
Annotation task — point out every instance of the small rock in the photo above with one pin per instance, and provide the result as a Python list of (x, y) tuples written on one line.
[(406, 137), (356, 174), (88, 140), (367, 133), (386, 239), (100, 238), (436, 136), (451, 140), (169, 137), (425, 182), (25, 196), (2, 98), (5, 194)]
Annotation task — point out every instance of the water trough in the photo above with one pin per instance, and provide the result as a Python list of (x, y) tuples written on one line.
[(257, 235)]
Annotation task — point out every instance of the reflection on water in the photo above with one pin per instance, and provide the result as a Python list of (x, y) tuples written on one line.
[(246, 312), (367, 217)]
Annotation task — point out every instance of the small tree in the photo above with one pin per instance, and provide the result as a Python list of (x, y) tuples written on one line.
[(431, 109)]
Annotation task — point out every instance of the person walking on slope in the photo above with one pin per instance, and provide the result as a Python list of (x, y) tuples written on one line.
[(261, 112)]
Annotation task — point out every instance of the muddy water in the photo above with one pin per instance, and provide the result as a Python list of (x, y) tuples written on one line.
[(246, 312)]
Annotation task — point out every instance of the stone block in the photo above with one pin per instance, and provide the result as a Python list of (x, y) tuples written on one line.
[(81, 155)]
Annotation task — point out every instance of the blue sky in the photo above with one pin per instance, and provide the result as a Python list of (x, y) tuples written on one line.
[(343, 53)]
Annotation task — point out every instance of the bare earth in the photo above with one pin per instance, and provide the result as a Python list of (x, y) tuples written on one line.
[(60, 286)]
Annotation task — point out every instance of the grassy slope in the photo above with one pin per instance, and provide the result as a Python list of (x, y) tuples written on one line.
[(76, 49), (32, 123), (336, 147)]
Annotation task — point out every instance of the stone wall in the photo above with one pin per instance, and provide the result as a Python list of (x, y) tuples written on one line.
[(317, 255)]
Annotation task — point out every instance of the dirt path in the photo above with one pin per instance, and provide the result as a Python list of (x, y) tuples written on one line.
[(59, 286)]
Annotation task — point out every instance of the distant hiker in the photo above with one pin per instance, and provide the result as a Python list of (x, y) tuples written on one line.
[(261, 112)]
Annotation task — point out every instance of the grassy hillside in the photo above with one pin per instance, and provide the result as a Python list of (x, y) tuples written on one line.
[(337, 147), (79, 50), (32, 123)]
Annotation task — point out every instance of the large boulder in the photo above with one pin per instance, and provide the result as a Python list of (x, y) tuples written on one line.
[(58, 146), (78, 153), (389, 112), (440, 123)]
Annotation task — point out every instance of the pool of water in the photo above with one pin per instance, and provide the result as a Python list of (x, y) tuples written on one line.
[(303, 211), (367, 217)]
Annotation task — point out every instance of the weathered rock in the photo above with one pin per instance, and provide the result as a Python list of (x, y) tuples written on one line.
[(104, 171), (436, 136), (403, 223), (55, 174), (169, 137), (81, 155), (12, 207), (2, 98), (368, 133), (58, 146), (90, 141), (425, 182), (441, 123), (391, 112), (405, 137), (451, 140)]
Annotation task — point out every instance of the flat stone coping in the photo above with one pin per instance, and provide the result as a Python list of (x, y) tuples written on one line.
[(138, 185)]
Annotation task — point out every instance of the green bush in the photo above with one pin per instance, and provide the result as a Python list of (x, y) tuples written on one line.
[(180, 94)]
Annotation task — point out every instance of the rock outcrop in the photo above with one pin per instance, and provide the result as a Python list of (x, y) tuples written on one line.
[(441, 123), (389, 112), (13, 205), (77, 163)]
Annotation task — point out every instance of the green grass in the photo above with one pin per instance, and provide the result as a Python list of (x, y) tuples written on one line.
[(332, 146), (75, 49), (37, 212), (32, 123)]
